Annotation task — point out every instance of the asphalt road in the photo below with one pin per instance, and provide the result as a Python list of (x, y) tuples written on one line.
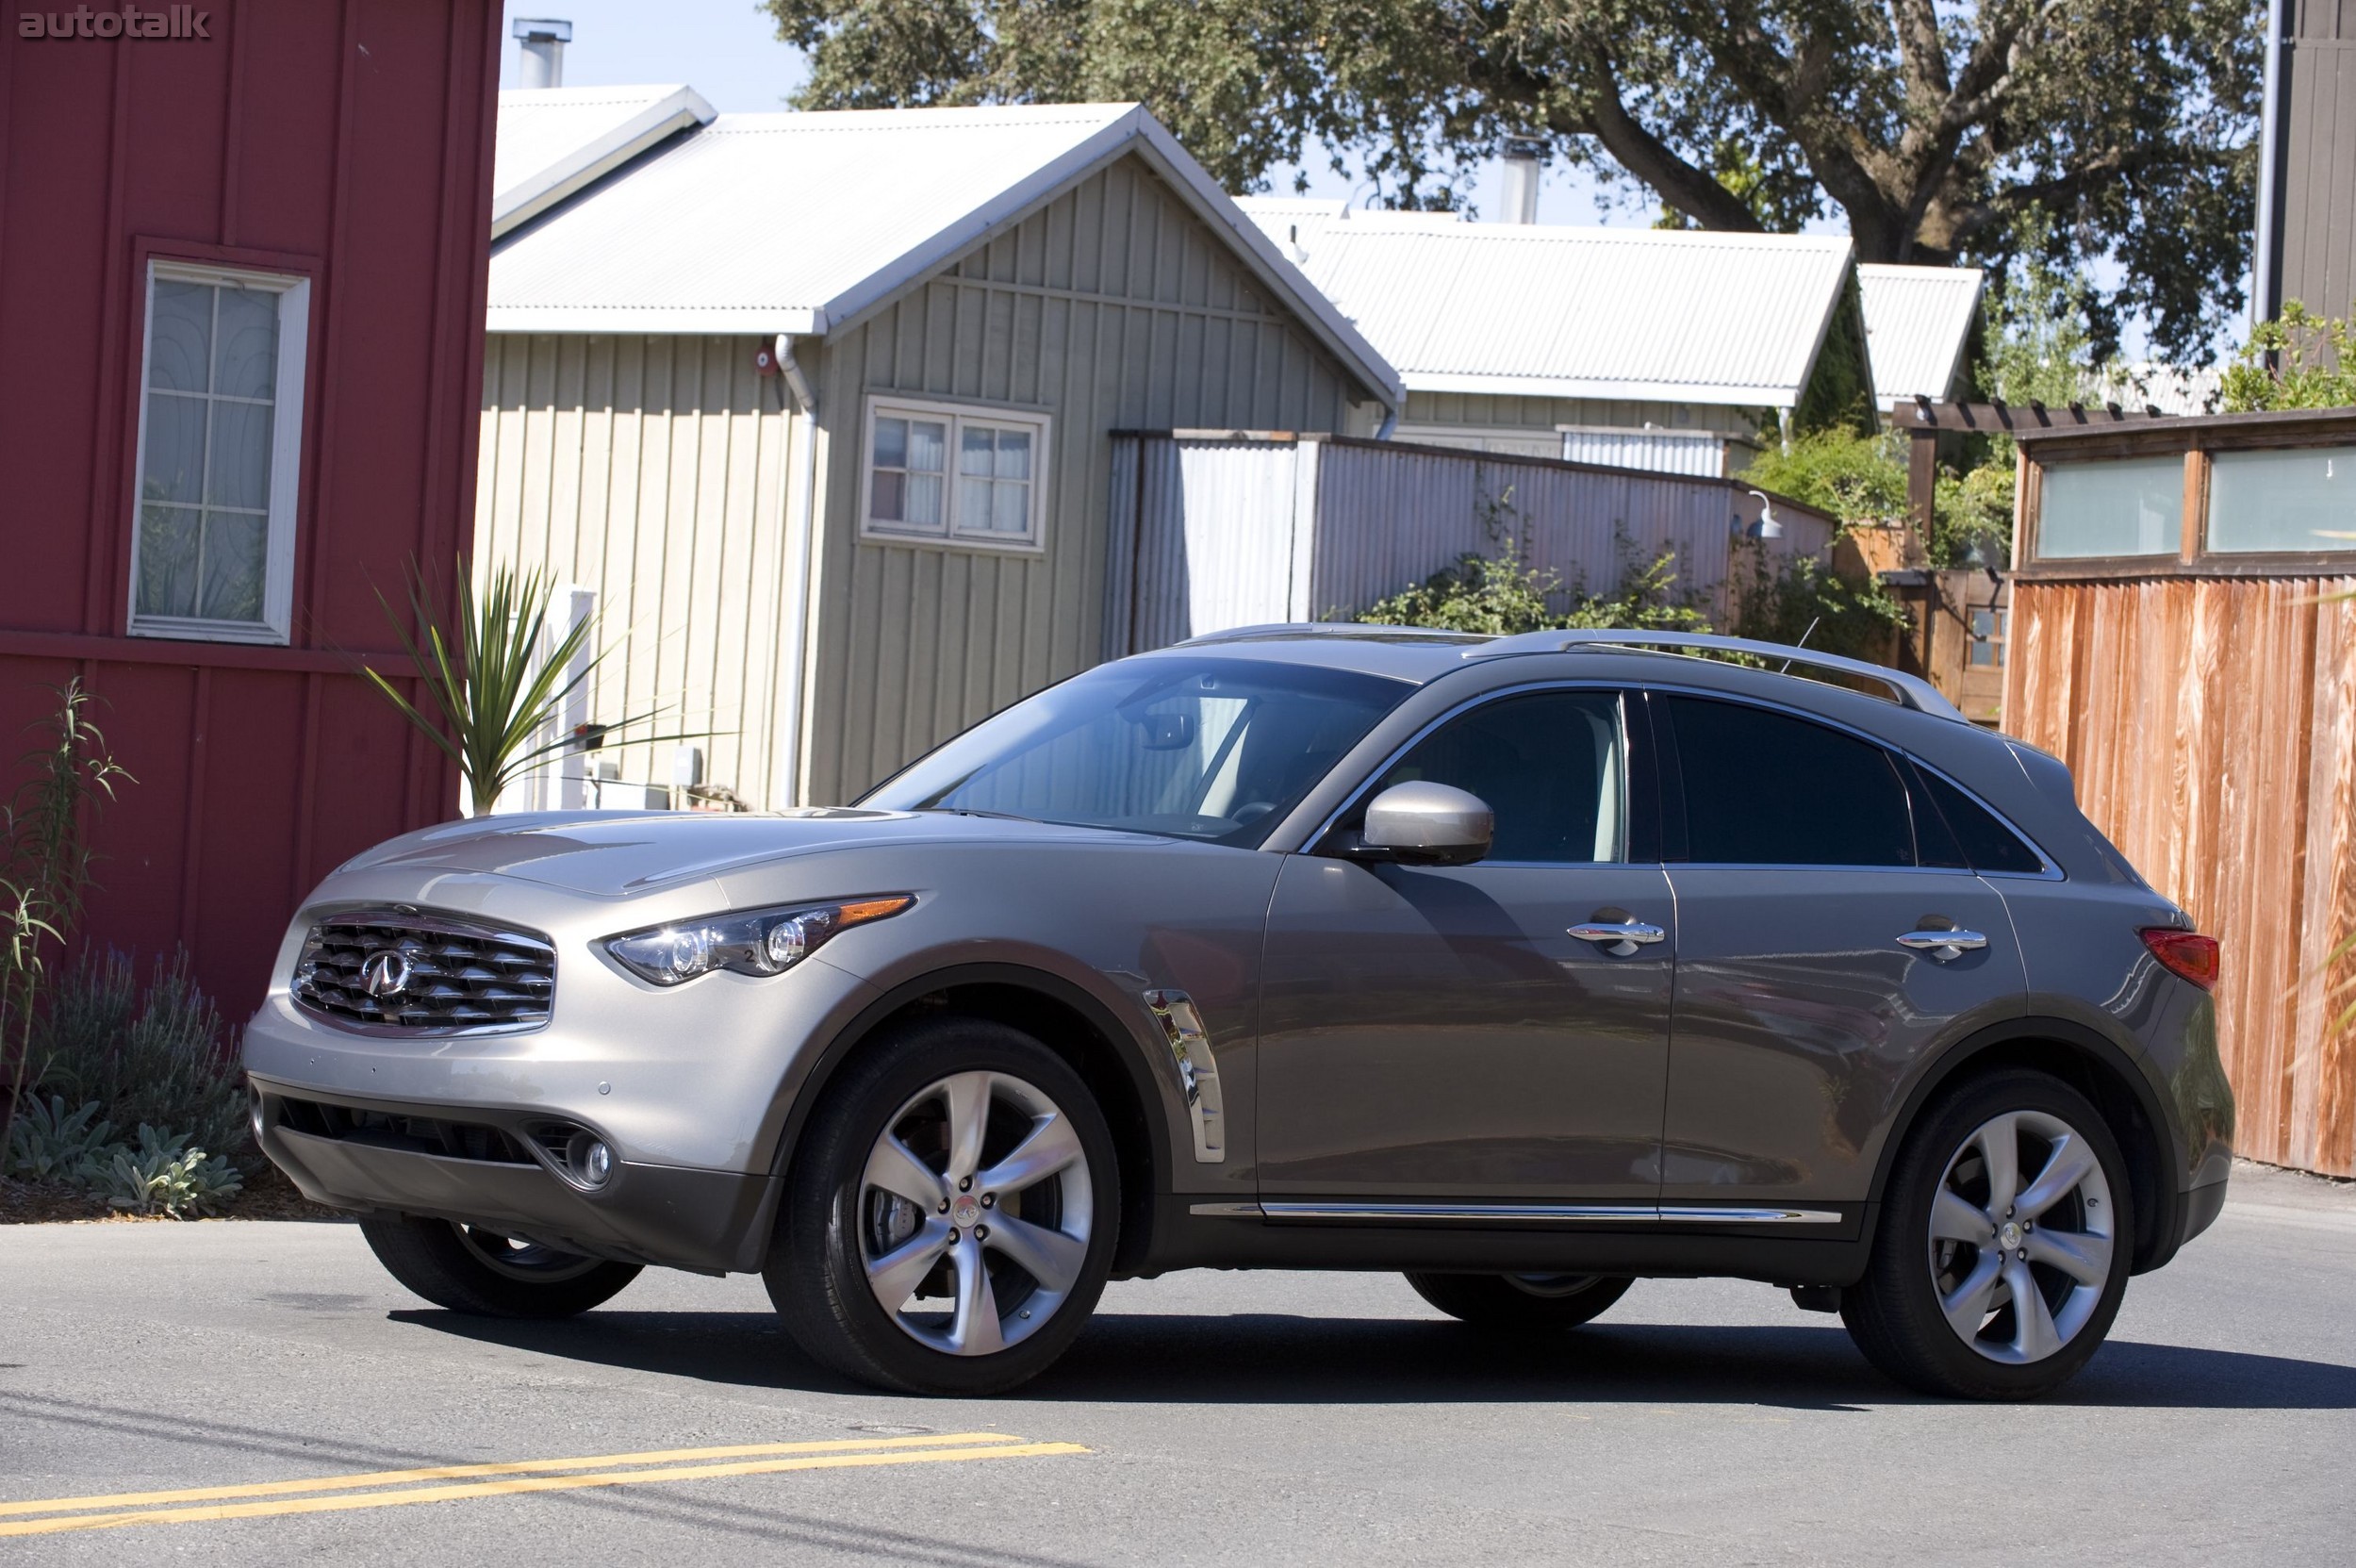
[(1203, 1418)]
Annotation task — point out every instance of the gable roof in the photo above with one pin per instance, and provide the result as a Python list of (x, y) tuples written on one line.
[(794, 223), (555, 141), (1554, 311), (1917, 322)]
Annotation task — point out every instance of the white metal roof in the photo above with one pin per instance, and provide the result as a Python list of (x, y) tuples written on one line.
[(555, 141), (1917, 321), (797, 223), (1554, 311)]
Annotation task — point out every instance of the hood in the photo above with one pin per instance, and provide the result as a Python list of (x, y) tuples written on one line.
[(616, 855)]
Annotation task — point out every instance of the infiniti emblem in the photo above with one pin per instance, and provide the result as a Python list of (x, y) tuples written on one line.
[(385, 973)]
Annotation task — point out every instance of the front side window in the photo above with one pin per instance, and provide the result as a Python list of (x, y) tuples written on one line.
[(1548, 766), (1215, 750), (1764, 788), (954, 474), (220, 423)]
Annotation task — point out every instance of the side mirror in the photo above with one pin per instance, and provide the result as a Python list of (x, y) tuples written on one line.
[(1427, 824)]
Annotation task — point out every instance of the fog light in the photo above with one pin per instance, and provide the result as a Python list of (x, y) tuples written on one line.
[(596, 1163)]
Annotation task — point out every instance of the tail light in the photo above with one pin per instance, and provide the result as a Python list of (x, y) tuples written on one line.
[(2186, 954)]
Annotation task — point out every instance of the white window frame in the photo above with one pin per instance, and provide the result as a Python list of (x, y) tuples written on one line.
[(285, 454), (957, 416)]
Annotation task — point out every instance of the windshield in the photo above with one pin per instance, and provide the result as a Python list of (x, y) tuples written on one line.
[(1215, 750)]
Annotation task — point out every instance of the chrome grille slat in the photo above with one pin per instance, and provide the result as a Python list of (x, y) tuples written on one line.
[(465, 978)]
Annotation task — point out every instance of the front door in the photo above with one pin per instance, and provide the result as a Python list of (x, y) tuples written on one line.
[(1440, 1034), (1816, 883)]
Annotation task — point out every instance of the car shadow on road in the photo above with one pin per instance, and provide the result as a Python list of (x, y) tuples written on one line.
[(1277, 1359)]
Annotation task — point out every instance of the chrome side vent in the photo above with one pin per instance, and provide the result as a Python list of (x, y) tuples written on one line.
[(1197, 1070)]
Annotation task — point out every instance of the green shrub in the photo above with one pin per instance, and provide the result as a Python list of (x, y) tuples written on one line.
[(2315, 364), (1804, 602), (162, 1175), (150, 1054), (52, 1143), (1858, 479), (1502, 594)]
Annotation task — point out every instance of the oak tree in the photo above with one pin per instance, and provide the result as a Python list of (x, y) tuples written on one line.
[(2117, 131)]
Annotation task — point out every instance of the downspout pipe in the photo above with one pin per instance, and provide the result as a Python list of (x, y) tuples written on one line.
[(2265, 284), (801, 503)]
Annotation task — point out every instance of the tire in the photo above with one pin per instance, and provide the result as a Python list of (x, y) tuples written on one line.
[(991, 1279), (1521, 1301), (2070, 1201), (473, 1271)]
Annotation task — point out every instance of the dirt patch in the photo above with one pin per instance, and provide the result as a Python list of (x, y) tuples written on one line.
[(268, 1196)]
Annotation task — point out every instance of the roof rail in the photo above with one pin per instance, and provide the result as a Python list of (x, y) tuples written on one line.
[(1907, 691), (1361, 631)]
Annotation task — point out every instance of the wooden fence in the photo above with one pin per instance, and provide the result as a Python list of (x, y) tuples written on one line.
[(2210, 724)]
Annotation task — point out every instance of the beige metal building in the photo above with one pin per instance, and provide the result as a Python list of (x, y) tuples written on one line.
[(818, 408)]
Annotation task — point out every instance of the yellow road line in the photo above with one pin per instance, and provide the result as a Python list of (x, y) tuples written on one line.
[(1016, 1450), (460, 1472)]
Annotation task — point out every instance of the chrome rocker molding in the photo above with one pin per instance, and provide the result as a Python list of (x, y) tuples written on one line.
[(1517, 1214)]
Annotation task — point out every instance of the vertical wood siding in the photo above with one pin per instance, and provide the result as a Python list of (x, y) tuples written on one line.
[(1111, 308), (2210, 725), (651, 471), (349, 141)]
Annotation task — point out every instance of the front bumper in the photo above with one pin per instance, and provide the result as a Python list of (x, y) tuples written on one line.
[(388, 1157)]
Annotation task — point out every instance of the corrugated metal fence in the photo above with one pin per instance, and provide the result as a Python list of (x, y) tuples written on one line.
[(1213, 530)]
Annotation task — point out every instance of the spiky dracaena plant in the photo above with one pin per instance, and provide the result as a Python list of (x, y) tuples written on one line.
[(490, 692), (44, 868)]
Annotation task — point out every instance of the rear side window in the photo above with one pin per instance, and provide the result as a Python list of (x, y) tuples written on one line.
[(1765, 788), (1987, 844)]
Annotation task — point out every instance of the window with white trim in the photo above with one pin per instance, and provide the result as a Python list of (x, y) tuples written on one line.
[(955, 474), (220, 454)]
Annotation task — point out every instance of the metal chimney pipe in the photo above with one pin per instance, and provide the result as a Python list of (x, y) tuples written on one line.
[(1525, 158), (544, 39)]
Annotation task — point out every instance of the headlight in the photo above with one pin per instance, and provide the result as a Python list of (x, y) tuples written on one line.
[(750, 942)]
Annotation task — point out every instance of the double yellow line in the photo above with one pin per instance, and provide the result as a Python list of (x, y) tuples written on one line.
[(450, 1483)]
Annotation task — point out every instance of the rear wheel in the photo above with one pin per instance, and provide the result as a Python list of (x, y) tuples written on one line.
[(1522, 1300), (950, 1221), (2004, 1247), (468, 1269)]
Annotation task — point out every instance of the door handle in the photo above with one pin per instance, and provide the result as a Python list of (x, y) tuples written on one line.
[(1620, 937), (1945, 946)]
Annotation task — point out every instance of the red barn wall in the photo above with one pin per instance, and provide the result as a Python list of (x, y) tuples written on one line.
[(351, 142)]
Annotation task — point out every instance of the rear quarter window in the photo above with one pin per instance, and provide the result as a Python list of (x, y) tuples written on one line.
[(1986, 843)]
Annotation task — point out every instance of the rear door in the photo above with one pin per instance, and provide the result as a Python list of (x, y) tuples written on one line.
[(1815, 966), (1440, 1033)]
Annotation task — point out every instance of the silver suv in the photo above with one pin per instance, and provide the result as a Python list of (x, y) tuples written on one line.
[(1525, 967)]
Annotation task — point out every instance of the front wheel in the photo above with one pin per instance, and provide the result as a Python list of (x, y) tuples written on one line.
[(468, 1269), (1521, 1301), (949, 1220), (2004, 1247)]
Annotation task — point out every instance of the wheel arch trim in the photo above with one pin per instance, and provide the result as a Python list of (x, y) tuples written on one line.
[(2153, 1247), (796, 1098)]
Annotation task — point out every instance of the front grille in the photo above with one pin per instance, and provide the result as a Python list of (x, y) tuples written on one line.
[(455, 976)]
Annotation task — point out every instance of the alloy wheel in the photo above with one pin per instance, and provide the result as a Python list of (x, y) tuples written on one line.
[(2021, 1234), (975, 1196)]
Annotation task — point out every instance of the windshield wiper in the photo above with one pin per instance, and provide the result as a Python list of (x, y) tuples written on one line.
[(976, 810)]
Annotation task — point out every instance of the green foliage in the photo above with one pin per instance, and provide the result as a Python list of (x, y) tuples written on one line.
[(491, 690), (160, 1173), (1857, 478), (145, 1055), (1937, 131), (45, 870), (2314, 364), (1502, 594), (1805, 602), (48, 1143), (1972, 511)]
